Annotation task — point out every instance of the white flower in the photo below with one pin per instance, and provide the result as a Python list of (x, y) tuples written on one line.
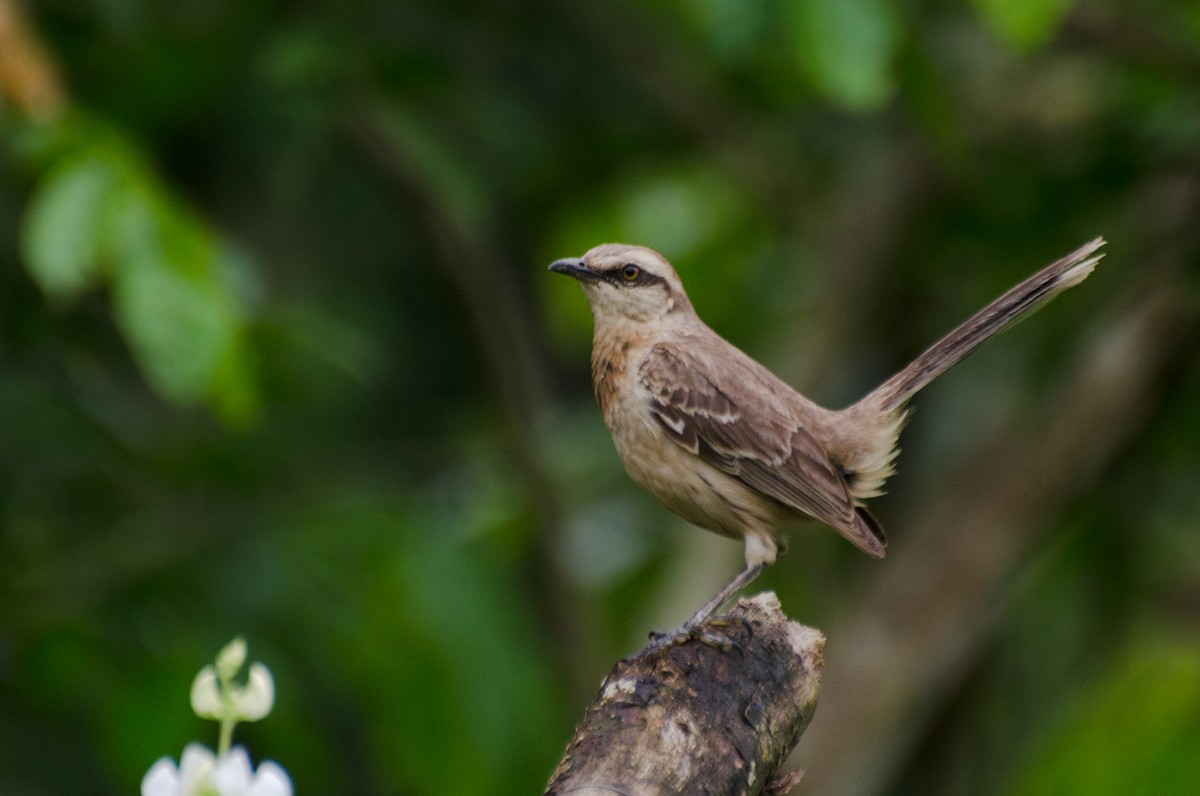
[(215, 696), (235, 777), (199, 774), (192, 777)]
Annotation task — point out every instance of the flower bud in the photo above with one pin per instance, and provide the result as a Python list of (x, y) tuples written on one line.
[(230, 659)]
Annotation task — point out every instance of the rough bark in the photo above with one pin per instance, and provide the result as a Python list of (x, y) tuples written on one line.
[(716, 714)]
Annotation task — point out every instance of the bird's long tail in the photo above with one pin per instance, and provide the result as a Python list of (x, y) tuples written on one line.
[(1014, 305)]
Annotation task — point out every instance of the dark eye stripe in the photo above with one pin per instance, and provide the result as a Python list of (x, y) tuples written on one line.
[(616, 275)]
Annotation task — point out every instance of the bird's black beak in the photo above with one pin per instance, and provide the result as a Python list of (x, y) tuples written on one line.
[(573, 266)]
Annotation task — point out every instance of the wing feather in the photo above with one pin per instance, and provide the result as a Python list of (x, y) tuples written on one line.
[(732, 419)]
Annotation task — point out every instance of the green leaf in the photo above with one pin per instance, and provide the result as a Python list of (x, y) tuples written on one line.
[(846, 48), (63, 234), (180, 294), (178, 326), (1026, 24), (233, 391)]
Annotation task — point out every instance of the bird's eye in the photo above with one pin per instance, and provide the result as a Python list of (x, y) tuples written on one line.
[(630, 272)]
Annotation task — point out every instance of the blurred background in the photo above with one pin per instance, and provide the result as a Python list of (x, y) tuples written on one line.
[(279, 357)]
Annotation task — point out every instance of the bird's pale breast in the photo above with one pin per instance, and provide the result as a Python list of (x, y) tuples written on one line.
[(689, 486)]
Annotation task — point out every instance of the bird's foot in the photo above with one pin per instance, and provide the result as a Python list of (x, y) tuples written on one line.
[(713, 633), (717, 634)]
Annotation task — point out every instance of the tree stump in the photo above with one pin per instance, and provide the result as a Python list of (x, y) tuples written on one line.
[(715, 714)]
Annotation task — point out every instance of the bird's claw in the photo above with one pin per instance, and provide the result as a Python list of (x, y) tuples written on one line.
[(710, 634)]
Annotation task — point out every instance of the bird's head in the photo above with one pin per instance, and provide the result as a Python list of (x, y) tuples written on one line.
[(627, 283)]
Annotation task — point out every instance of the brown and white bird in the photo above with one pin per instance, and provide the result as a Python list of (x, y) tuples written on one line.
[(726, 444)]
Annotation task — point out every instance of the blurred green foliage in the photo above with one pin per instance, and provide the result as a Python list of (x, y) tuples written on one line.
[(99, 217), (1151, 749), (278, 357)]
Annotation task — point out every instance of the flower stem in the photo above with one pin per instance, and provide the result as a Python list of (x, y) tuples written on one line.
[(226, 737), (229, 716)]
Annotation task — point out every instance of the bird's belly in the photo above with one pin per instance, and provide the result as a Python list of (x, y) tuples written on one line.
[(689, 486)]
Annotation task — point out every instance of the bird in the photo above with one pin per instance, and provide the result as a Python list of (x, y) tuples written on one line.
[(729, 446)]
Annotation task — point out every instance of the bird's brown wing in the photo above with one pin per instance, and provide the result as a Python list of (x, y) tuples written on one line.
[(729, 415)]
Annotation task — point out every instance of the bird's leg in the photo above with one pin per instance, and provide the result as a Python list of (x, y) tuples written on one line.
[(740, 581), (689, 628)]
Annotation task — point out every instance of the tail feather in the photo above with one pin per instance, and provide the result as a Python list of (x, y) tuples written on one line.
[(1014, 305), (865, 532)]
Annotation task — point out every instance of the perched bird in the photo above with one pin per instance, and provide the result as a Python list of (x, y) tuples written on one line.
[(726, 444)]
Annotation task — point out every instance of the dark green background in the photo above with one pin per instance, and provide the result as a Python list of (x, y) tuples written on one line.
[(279, 357)]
